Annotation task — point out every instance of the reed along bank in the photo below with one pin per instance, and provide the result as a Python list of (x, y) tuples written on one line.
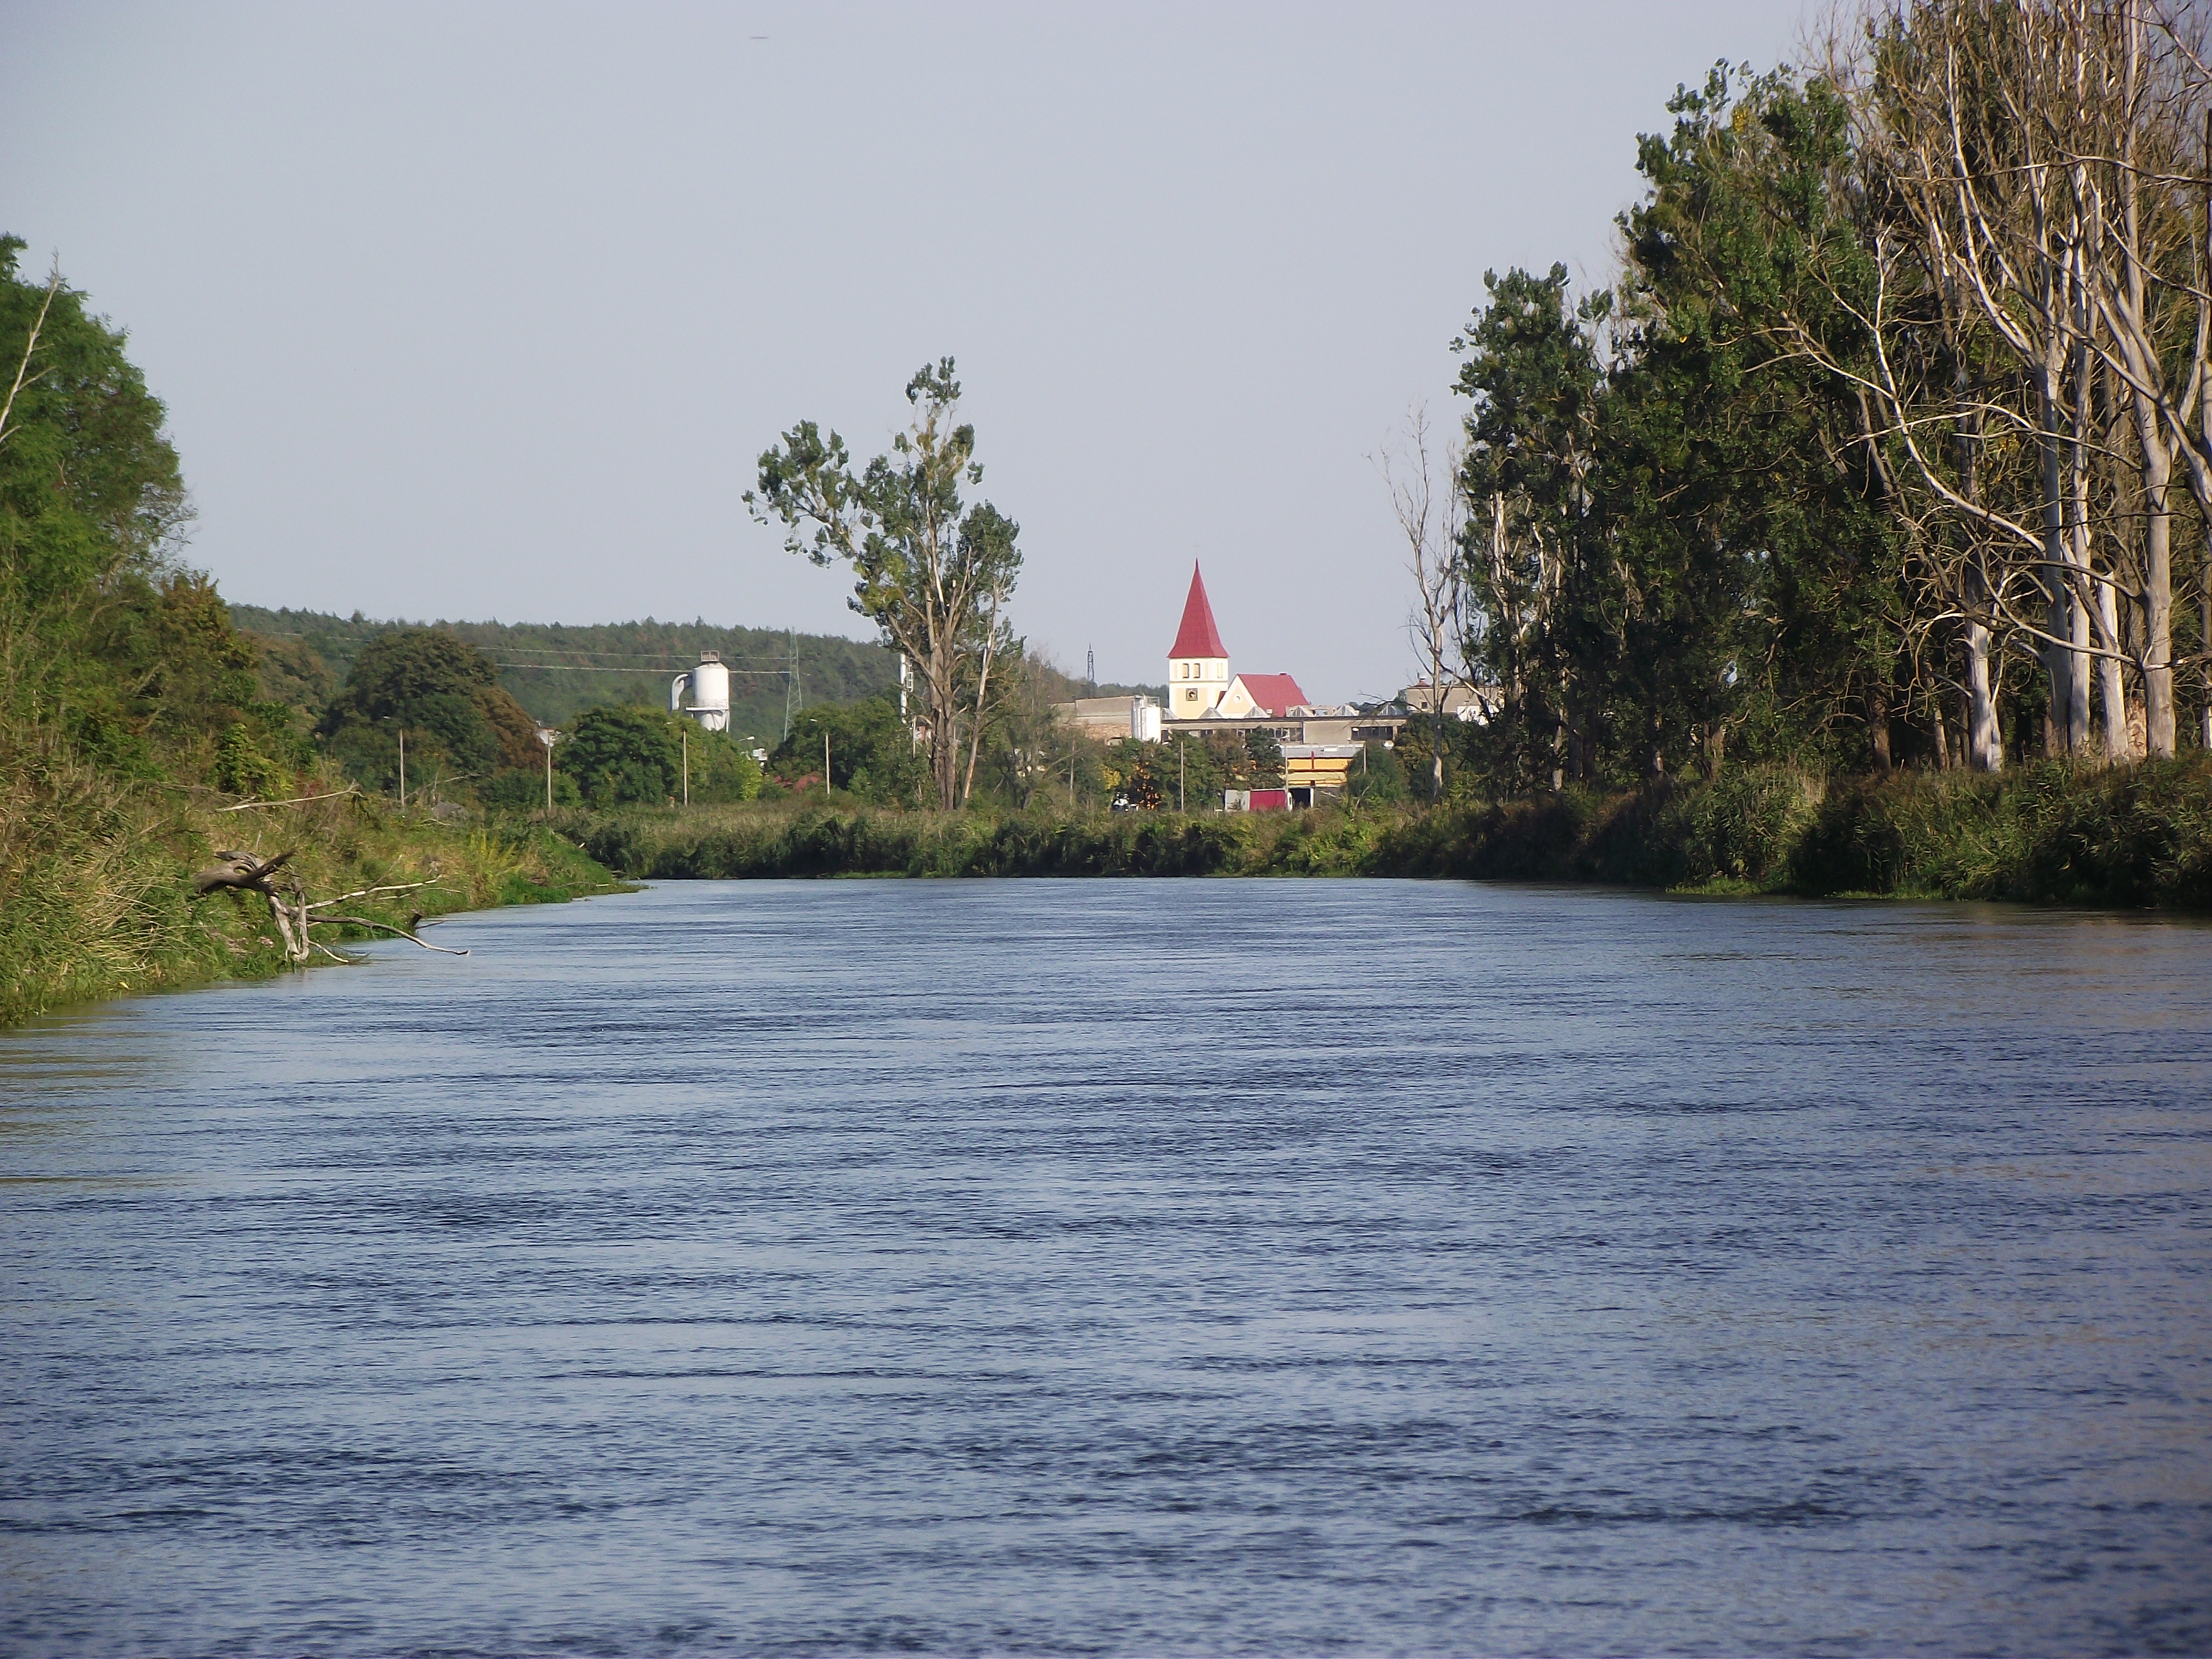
[(2133, 837)]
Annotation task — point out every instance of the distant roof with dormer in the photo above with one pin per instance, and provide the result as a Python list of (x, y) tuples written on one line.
[(1198, 637)]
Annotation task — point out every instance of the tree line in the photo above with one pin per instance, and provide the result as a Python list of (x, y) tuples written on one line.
[(1889, 442)]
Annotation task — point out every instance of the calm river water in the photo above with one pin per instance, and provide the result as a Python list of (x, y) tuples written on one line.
[(1148, 1267)]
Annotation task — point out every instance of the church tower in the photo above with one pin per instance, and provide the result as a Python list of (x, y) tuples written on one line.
[(1198, 663)]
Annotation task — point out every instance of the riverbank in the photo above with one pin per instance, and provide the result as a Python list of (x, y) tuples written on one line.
[(96, 893), (2135, 837)]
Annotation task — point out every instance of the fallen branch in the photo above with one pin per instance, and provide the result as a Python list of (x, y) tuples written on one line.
[(296, 801), (244, 872), (365, 892), (387, 927)]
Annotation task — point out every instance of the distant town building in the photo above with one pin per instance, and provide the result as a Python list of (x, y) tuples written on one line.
[(1311, 770), (1109, 717), (1321, 745), (1198, 662), (1274, 697), (1474, 704)]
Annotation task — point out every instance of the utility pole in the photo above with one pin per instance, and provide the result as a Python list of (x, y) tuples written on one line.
[(403, 769), (548, 736), (1180, 807), (686, 735), (791, 697), (1091, 669), (826, 762)]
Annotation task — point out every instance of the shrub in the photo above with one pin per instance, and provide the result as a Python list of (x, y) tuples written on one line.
[(621, 756), (240, 768)]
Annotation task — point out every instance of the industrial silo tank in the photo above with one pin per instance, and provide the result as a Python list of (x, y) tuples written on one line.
[(710, 689), (708, 686)]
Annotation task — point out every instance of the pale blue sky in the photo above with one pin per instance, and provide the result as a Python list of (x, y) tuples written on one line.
[(476, 311)]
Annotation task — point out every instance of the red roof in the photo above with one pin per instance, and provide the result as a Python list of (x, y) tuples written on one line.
[(1276, 694), (1198, 637)]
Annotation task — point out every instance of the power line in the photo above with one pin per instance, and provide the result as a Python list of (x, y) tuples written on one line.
[(612, 669)]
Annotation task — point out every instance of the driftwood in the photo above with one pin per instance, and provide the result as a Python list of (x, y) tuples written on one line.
[(289, 908), (403, 932)]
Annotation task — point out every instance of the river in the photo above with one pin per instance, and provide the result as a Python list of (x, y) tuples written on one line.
[(1146, 1268)]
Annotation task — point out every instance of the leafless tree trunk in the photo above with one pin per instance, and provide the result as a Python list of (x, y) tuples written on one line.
[(23, 375), (1430, 515), (982, 694)]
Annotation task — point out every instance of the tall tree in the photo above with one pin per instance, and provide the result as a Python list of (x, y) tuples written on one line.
[(932, 574), (1430, 506), (1533, 377), (109, 646)]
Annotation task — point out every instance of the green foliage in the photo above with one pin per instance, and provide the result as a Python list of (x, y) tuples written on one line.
[(873, 755), (288, 671), (1686, 548), (621, 756), (723, 770), (1187, 772), (1378, 779), (1145, 775), (109, 650), (95, 879), (243, 769), (1263, 758), (2135, 837), (557, 671), (2140, 837), (124, 687), (932, 572), (90, 491), (518, 790), (444, 694)]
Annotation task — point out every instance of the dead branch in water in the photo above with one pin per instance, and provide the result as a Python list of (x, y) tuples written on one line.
[(386, 927), (289, 906)]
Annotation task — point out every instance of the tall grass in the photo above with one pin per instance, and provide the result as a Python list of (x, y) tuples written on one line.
[(2139, 835), (96, 878)]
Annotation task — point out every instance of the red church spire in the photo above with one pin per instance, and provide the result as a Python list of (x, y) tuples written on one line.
[(1198, 637)]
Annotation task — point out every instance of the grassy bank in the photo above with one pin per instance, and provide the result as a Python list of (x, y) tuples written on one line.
[(2131, 837), (96, 879)]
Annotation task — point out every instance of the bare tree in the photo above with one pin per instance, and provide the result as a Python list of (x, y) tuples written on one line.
[(1431, 512), (2025, 181)]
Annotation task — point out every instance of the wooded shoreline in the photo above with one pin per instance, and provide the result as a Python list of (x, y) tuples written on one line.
[(109, 907)]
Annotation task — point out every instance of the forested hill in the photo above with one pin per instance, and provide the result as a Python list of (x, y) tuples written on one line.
[(554, 669)]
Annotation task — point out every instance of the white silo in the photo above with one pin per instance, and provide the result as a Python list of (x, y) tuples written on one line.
[(708, 685)]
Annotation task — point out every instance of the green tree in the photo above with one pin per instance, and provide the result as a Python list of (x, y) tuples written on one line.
[(1144, 775), (1748, 474), (872, 751), (932, 574), (623, 756), (444, 693), (243, 769), (1378, 778), (723, 770), (1537, 588), (108, 645), (1263, 758)]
